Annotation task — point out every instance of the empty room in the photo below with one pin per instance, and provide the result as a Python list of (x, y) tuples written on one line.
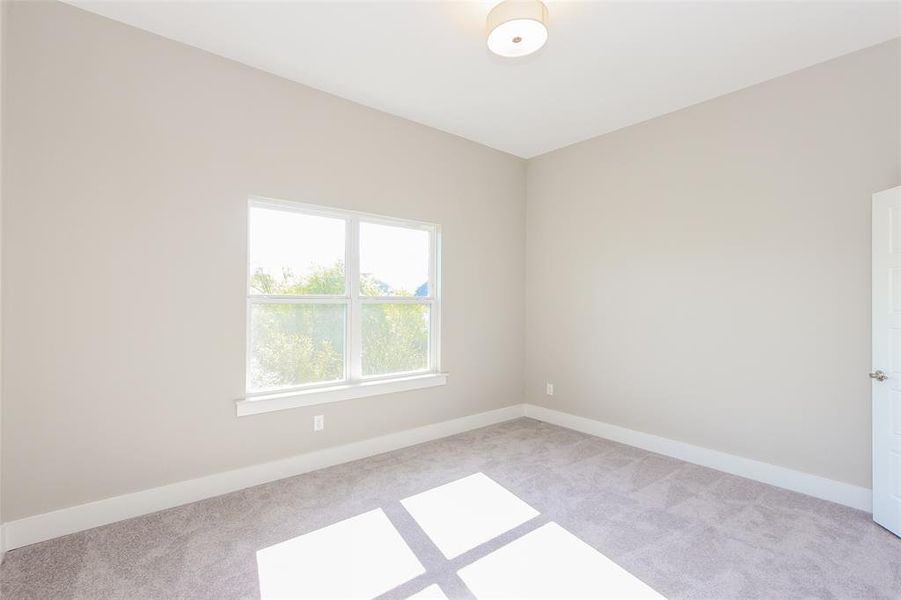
[(476, 299)]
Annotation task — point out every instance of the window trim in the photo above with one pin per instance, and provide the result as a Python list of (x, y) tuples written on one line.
[(354, 384), (336, 393)]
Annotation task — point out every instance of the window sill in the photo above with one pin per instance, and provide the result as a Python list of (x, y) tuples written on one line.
[(261, 404)]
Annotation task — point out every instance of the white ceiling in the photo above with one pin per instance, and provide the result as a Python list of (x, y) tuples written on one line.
[(606, 64)]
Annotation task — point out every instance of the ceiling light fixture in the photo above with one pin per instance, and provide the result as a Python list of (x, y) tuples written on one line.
[(517, 27)]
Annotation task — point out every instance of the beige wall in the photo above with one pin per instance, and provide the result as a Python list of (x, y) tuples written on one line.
[(130, 160), (705, 276)]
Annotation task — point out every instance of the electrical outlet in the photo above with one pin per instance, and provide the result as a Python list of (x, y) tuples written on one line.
[(550, 389), (318, 422)]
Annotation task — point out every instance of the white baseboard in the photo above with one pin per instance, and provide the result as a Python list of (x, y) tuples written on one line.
[(796, 481), (38, 528)]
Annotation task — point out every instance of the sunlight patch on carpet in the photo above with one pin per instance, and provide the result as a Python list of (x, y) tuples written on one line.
[(466, 513), (360, 557), (550, 562)]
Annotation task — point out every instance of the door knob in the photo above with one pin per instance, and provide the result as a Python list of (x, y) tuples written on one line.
[(878, 376)]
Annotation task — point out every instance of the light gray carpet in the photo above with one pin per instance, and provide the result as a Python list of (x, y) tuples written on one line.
[(687, 531)]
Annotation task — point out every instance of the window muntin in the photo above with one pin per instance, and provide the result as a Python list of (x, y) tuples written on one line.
[(337, 315)]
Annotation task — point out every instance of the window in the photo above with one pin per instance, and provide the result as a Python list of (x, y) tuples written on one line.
[(339, 305)]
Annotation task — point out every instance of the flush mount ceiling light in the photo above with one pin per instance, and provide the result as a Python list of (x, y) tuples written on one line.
[(517, 27)]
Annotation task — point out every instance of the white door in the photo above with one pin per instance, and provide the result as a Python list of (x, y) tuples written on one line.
[(886, 372)]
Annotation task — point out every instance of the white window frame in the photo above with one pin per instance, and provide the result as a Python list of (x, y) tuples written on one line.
[(354, 384)]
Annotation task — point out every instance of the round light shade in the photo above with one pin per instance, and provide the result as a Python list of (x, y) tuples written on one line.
[(517, 27)]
